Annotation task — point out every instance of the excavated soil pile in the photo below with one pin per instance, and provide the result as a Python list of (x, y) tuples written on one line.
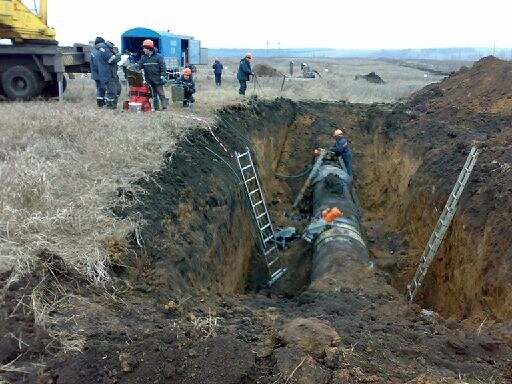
[(187, 303), (372, 77), (483, 89), (265, 70)]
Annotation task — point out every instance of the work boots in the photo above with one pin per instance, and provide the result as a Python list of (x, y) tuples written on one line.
[(111, 104), (100, 102)]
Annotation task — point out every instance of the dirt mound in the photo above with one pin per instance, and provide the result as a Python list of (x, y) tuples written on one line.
[(264, 70), (372, 77), (484, 88)]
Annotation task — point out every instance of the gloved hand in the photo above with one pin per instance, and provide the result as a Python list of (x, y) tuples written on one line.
[(163, 80)]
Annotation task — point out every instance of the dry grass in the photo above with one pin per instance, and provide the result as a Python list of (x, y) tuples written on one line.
[(60, 166), (61, 163)]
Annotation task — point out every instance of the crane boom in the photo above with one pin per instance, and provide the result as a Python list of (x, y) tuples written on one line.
[(18, 23)]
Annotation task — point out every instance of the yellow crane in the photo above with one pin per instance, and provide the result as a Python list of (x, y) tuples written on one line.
[(18, 23), (33, 64)]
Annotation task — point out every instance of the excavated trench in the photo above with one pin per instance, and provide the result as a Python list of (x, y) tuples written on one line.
[(199, 234), (189, 303)]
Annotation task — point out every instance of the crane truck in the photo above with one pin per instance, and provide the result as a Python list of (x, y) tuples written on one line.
[(33, 64)]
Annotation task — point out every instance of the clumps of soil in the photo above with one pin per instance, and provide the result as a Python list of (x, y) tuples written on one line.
[(371, 77), (264, 70)]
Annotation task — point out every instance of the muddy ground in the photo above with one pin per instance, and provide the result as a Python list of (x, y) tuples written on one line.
[(188, 302)]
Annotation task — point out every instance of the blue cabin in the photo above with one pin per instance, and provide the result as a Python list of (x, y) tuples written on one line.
[(177, 50)]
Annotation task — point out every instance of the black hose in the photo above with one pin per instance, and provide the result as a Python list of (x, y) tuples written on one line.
[(298, 175), (240, 135), (244, 193), (230, 166), (249, 144)]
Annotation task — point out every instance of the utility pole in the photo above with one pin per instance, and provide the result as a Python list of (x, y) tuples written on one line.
[(267, 49), (278, 49)]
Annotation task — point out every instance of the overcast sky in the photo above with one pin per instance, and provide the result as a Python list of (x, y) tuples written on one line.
[(363, 24)]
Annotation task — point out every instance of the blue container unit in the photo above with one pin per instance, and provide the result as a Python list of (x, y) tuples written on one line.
[(177, 50)]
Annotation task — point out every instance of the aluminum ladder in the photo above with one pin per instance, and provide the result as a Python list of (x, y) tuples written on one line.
[(261, 216), (442, 225)]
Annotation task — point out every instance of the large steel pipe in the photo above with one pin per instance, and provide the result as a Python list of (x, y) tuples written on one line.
[(340, 255)]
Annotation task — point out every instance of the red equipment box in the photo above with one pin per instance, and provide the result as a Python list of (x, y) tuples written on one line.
[(140, 95)]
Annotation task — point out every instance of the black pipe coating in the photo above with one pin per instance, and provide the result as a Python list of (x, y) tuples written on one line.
[(340, 255)]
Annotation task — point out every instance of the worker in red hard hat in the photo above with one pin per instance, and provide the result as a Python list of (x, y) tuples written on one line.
[(155, 72), (244, 71), (340, 148), (188, 85)]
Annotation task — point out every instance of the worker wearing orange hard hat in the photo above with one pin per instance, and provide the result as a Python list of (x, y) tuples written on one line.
[(188, 85), (341, 148), (155, 72), (244, 71)]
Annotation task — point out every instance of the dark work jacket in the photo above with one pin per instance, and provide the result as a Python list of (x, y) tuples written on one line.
[(188, 84), (106, 63), (244, 70), (217, 67), (340, 147), (153, 66), (94, 63)]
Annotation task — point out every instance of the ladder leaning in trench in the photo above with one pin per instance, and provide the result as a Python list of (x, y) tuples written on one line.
[(261, 216), (442, 225)]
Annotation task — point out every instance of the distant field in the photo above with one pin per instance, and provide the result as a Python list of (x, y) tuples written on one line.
[(431, 66), (61, 164), (337, 83)]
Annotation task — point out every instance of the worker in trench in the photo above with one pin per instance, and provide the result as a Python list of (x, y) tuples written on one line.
[(155, 72), (188, 85), (106, 61), (341, 148), (244, 73)]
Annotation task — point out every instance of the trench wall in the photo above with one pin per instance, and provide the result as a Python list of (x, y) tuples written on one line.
[(200, 234)]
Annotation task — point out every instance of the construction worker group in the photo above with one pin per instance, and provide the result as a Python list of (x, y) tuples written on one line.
[(104, 66), (104, 63)]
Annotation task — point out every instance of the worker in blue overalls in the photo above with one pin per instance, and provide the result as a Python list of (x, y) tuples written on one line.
[(107, 60), (340, 148), (100, 87)]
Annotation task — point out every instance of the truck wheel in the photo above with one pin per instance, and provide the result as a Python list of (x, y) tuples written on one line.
[(20, 83), (51, 88)]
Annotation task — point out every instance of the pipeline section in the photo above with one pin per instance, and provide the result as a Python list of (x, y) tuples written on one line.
[(340, 257)]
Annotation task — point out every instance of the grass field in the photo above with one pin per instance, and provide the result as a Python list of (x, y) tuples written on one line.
[(61, 164)]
